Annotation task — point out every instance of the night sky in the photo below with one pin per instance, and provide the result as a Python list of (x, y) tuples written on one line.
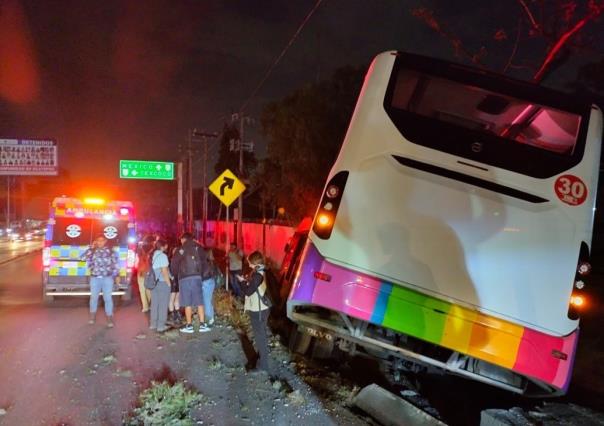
[(126, 79)]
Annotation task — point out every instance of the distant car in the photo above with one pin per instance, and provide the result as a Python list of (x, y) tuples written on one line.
[(21, 236)]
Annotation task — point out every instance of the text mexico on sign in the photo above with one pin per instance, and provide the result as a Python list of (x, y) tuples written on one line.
[(29, 157)]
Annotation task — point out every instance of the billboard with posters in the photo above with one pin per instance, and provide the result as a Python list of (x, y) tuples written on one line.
[(29, 157)]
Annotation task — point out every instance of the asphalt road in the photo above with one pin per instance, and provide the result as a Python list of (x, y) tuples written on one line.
[(55, 369), (11, 249)]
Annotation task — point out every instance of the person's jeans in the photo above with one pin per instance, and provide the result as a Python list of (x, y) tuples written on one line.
[(234, 282), (207, 288), (104, 284)]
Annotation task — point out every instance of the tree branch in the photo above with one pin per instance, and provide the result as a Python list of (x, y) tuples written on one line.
[(427, 16), (559, 44), (532, 20), (507, 66)]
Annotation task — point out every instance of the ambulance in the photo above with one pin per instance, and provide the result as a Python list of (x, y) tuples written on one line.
[(73, 224)]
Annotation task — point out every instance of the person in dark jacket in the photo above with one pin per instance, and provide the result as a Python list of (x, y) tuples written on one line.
[(189, 264), (257, 305)]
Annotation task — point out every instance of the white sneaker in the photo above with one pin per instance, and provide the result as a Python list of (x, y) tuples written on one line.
[(203, 328), (187, 329)]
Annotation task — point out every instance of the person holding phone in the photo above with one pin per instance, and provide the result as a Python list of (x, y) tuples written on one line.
[(257, 305), (103, 265)]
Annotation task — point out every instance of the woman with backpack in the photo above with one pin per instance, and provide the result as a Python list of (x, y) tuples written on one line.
[(258, 304), (160, 294)]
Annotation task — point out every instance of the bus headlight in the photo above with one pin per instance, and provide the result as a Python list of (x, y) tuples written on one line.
[(323, 220), (577, 301), (330, 202), (584, 268)]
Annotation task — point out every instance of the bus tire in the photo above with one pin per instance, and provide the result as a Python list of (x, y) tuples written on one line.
[(322, 348), (299, 342)]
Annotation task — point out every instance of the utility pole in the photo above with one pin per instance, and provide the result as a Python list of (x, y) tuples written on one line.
[(179, 197), (240, 201), (204, 200), (190, 184)]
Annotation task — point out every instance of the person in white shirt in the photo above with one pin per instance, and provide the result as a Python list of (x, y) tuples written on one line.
[(160, 295)]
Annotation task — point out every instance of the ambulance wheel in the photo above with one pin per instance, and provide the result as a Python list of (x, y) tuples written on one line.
[(299, 342), (46, 299), (127, 296)]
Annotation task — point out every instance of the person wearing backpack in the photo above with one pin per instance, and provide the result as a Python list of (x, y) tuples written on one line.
[(142, 266), (257, 304), (189, 265), (160, 294)]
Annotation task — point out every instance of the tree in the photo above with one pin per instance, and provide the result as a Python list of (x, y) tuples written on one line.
[(304, 132), (561, 24)]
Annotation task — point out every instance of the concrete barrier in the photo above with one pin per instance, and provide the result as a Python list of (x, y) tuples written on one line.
[(392, 410)]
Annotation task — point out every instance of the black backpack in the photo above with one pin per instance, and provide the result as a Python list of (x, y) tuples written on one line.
[(193, 262)]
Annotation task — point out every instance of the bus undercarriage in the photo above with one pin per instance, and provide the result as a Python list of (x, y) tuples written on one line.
[(399, 353)]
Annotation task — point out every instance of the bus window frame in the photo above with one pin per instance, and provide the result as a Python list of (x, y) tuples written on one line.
[(495, 151)]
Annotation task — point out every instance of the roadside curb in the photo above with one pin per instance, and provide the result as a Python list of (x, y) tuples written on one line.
[(19, 256)]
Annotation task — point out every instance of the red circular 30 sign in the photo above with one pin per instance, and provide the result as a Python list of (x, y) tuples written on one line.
[(571, 190)]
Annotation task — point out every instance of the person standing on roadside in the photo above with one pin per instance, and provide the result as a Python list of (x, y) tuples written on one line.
[(160, 295), (142, 266), (207, 288), (235, 259), (188, 265), (174, 315), (257, 305), (104, 270)]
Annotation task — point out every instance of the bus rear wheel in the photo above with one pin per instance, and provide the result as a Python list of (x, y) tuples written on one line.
[(299, 342)]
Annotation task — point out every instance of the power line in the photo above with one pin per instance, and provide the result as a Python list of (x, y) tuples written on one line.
[(285, 49)]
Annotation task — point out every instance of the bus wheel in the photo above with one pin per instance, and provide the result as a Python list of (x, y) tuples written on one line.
[(299, 341), (322, 348)]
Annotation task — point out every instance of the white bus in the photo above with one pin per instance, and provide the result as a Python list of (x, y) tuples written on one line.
[(455, 227)]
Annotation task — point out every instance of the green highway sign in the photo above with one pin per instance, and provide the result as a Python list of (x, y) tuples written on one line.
[(135, 169)]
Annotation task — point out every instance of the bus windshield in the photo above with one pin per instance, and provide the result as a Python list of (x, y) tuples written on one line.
[(480, 109), (487, 118)]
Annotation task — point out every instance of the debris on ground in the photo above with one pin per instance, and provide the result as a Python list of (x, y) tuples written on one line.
[(550, 414), (108, 359)]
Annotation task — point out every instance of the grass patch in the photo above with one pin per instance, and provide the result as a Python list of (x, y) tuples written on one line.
[(165, 404), (230, 309)]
